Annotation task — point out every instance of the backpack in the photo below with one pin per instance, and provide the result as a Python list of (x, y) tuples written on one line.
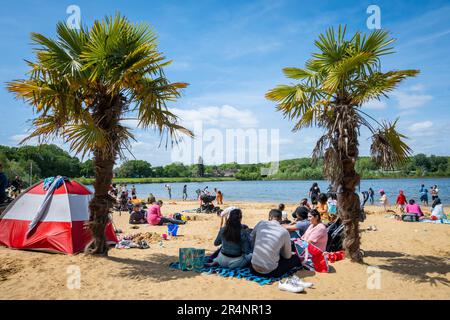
[(410, 217)]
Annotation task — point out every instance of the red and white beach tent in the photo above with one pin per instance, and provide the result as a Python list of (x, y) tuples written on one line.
[(60, 229)]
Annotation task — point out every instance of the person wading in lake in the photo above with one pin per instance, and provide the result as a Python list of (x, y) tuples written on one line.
[(185, 196), (169, 190), (314, 193), (423, 195)]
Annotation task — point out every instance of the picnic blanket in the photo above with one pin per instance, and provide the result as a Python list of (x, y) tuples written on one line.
[(190, 211), (443, 221), (239, 273)]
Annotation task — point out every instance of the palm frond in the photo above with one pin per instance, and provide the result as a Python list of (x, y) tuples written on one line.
[(388, 148)]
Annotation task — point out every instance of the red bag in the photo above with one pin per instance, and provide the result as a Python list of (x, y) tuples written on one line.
[(311, 257), (336, 256)]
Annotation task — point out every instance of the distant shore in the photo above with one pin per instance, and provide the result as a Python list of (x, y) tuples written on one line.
[(158, 180), (208, 179)]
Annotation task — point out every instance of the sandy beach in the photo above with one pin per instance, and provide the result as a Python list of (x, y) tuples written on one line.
[(413, 261)]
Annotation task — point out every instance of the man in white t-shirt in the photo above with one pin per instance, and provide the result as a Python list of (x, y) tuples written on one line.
[(272, 252)]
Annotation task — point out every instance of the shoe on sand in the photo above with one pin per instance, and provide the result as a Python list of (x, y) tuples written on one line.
[(300, 282), (289, 285)]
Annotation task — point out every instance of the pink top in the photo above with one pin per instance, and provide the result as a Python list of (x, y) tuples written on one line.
[(414, 208), (317, 235), (154, 215)]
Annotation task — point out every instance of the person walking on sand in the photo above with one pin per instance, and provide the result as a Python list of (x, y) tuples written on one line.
[(384, 200), (219, 196), (423, 195), (401, 202), (185, 196)]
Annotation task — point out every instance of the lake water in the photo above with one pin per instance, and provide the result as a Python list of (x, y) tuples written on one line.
[(292, 191)]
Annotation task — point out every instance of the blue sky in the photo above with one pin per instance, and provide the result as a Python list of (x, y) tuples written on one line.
[(232, 52)]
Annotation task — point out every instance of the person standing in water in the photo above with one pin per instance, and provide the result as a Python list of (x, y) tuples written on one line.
[(314, 193), (185, 196), (423, 195), (434, 193), (371, 196), (169, 190)]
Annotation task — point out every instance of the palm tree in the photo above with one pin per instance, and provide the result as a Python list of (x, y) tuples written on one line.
[(331, 93), (85, 83)]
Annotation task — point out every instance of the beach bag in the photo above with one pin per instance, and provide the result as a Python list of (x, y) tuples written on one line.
[(172, 230), (191, 258), (332, 208), (410, 217), (311, 257), (335, 256), (177, 216)]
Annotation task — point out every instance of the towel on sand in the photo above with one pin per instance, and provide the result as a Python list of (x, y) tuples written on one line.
[(239, 273)]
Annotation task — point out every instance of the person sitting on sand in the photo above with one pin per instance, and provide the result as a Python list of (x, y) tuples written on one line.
[(414, 208), (135, 200), (322, 206), (316, 234), (284, 214), (298, 228), (272, 252), (401, 201), (332, 207), (137, 216), (234, 238), (151, 199), (303, 205), (154, 216), (438, 210)]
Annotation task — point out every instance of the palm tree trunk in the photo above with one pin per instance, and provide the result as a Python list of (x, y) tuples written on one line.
[(102, 203), (349, 207), (106, 116)]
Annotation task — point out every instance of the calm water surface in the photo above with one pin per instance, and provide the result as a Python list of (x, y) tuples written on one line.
[(292, 191)]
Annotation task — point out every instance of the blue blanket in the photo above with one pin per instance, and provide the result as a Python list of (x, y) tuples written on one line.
[(239, 273), (443, 221)]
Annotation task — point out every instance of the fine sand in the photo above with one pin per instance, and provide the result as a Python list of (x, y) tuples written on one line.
[(412, 260)]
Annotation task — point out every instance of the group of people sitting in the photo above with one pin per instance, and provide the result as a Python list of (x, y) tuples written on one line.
[(152, 216), (267, 248), (412, 208)]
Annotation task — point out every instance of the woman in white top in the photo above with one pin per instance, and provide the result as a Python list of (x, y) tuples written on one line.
[(438, 210)]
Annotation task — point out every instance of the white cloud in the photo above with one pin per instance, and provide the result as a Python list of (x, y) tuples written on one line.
[(375, 105), (420, 126), (411, 98), (224, 117)]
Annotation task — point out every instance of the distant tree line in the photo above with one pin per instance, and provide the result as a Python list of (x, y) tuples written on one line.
[(50, 160)]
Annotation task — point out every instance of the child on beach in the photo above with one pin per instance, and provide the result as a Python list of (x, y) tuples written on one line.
[(384, 200), (322, 207), (401, 201), (332, 207), (285, 219)]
